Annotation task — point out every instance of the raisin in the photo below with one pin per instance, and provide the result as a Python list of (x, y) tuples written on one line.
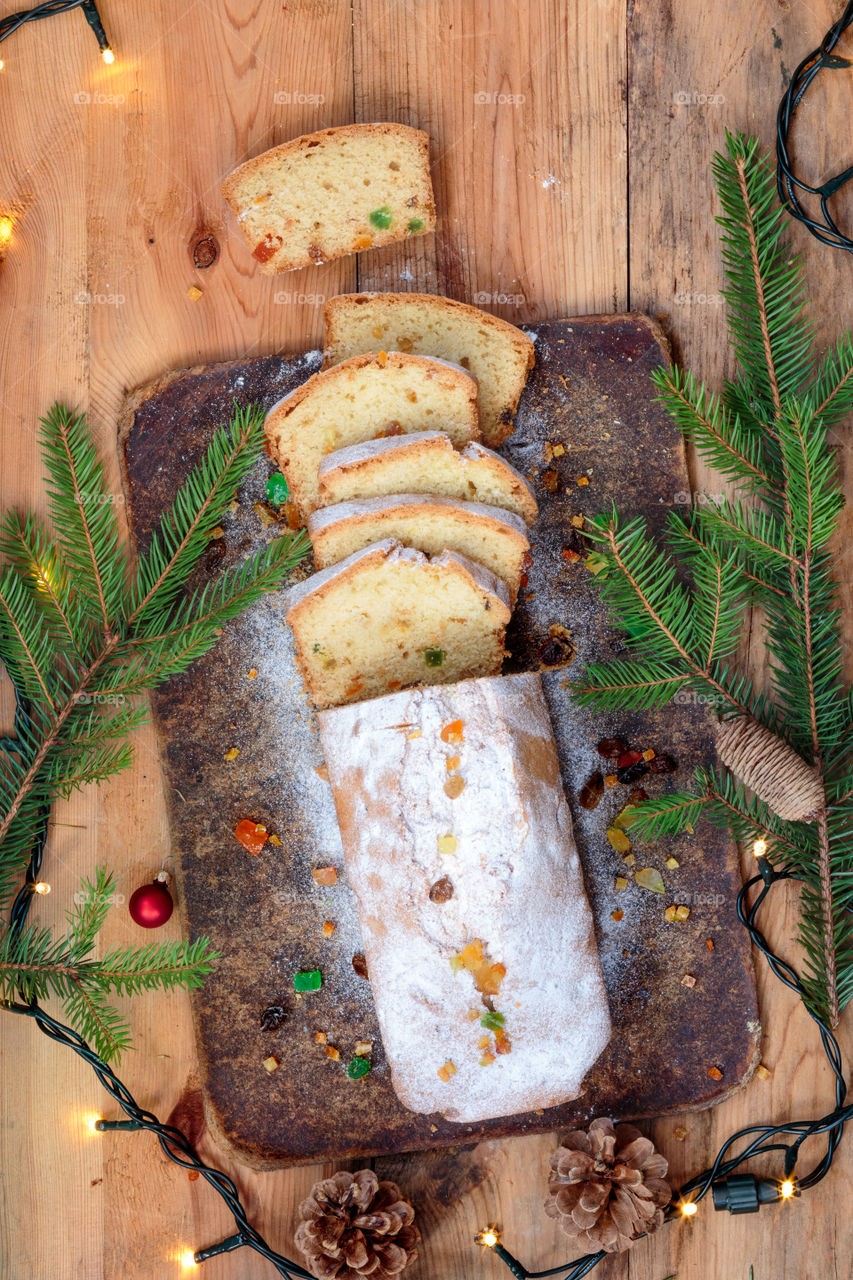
[(638, 795), (272, 1018), (627, 758), (633, 772), (610, 747), (214, 555), (577, 542), (359, 964), (315, 253), (558, 650), (442, 890), (591, 792), (663, 764)]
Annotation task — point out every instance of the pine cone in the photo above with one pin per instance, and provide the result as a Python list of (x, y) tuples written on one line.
[(354, 1226), (770, 768), (607, 1186)]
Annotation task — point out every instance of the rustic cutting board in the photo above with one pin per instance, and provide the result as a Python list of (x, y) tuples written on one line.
[(590, 394)]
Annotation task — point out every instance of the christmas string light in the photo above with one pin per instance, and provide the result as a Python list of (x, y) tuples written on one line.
[(49, 9), (737, 1192), (788, 184)]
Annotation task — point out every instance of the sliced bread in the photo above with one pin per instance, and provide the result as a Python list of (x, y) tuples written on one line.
[(365, 397), (331, 193), (490, 536), (389, 617), (497, 353), (424, 462)]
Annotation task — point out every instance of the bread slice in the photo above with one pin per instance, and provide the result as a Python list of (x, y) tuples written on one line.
[(497, 353), (389, 616), (367, 396), (331, 193), (490, 536), (424, 462)]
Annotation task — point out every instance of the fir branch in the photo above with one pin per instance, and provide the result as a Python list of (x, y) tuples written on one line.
[(185, 529), (76, 637), (720, 437), (768, 434), (82, 512)]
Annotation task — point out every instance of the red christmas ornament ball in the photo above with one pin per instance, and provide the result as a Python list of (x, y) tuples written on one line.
[(151, 904)]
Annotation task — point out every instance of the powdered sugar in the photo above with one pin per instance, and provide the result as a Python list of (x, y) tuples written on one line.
[(517, 886)]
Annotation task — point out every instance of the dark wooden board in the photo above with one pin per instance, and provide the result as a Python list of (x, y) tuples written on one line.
[(590, 393)]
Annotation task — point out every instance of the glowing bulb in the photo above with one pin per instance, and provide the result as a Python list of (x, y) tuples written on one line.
[(689, 1209), (188, 1261), (7, 224), (489, 1237), (92, 1123), (759, 848), (787, 1189), (42, 887), (108, 56), (2, 64)]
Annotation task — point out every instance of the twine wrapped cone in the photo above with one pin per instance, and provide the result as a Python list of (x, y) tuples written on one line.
[(770, 768)]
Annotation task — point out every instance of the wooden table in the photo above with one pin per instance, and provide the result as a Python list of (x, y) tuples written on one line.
[(571, 150)]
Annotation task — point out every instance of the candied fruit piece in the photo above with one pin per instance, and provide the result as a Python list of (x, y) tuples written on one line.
[(308, 980), (452, 732), (271, 1063), (328, 928), (715, 1073), (333, 1053), (454, 786), (762, 1072), (251, 835), (452, 762), (487, 1059), (232, 753), (447, 845), (620, 883), (682, 913), (324, 875), (444, 1073), (380, 218), (617, 915), (650, 878), (358, 1068), (618, 840)]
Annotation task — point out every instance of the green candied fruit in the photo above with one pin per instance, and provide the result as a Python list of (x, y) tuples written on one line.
[(415, 225), (491, 1020), (308, 980), (277, 490), (434, 657), (381, 217), (358, 1068)]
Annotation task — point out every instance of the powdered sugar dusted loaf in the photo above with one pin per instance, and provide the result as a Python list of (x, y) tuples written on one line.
[(476, 927)]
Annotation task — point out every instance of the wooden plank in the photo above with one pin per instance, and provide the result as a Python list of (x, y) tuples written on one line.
[(525, 110), (693, 73)]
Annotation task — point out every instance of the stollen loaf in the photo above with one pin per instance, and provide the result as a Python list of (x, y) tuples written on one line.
[(476, 928)]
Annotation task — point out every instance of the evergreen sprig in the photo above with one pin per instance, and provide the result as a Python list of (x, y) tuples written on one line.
[(684, 604), (82, 634)]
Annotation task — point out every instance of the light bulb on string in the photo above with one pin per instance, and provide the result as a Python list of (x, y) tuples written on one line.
[(108, 56), (787, 1189), (689, 1209), (188, 1261)]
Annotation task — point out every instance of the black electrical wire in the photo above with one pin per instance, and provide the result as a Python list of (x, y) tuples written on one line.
[(788, 184), (762, 1138), (13, 21)]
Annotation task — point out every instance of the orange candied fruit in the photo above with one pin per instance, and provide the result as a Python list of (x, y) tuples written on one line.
[(382, 359), (488, 976), (452, 763), (444, 1073), (487, 1059), (452, 732), (251, 835)]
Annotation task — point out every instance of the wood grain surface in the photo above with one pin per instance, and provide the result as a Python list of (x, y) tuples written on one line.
[(577, 181)]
